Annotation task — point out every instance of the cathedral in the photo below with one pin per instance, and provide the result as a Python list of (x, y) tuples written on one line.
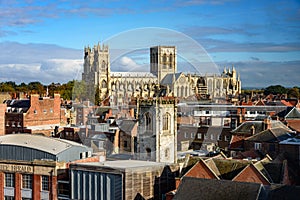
[(162, 79)]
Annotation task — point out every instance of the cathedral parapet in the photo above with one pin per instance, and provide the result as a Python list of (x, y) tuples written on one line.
[(159, 100)]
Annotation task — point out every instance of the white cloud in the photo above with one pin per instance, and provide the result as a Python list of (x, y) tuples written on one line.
[(126, 64), (48, 71)]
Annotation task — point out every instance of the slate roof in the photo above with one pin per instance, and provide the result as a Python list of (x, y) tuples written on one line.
[(272, 171), (127, 125), (284, 192), (271, 135), (168, 79), (24, 104), (229, 168), (245, 127), (293, 114), (285, 113), (195, 188)]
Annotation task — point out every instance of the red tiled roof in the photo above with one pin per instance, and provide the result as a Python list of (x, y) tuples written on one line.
[(247, 103), (236, 142), (294, 124), (260, 103), (246, 154)]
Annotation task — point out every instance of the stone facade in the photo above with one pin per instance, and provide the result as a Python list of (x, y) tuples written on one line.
[(157, 130), (162, 80)]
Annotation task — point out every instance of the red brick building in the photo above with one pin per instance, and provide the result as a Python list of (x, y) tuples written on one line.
[(2, 118), (32, 180), (34, 115)]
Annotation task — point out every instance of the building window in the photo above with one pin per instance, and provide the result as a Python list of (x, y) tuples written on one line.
[(257, 146), (164, 58), (125, 144), (211, 136), (227, 138), (148, 150), (9, 180), (199, 135), (192, 135), (51, 110), (45, 183), (9, 198), (35, 111), (205, 136), (148, 123), (27, 181), (167, 152), (45, 111), (220, 137), (186, 135), (166, 122)]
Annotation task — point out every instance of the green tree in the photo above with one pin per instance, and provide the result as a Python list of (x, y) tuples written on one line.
[(23, 87), (36, 87), (97, 96), (66, 89), (7, 87), (79, 90), (275, 89), (293, 93)]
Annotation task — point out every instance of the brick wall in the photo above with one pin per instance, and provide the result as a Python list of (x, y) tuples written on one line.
[(43, 111), (250, 174), (2, 177), (200, 170), (2, 118), (36, 188), (18, 185)]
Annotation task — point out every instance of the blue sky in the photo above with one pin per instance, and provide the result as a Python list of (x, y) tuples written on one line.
[(44, 40)]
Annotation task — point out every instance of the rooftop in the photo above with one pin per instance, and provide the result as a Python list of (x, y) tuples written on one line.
[(123, 164), (46, 144), (133, 74)]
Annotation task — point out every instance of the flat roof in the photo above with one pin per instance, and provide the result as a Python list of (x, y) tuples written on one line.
[(43, 143), (123, 164)]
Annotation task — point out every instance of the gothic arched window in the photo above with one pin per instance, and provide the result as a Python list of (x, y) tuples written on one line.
[(103, 66), (166, 122), (171, 61), (103, 84), (165, 57), (148, 122)]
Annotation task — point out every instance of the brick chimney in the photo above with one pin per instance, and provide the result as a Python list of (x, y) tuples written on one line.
[(131, 111), (252, 130), (267, 124)]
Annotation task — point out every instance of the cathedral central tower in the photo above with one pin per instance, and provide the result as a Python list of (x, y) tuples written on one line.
[(163, 61)]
